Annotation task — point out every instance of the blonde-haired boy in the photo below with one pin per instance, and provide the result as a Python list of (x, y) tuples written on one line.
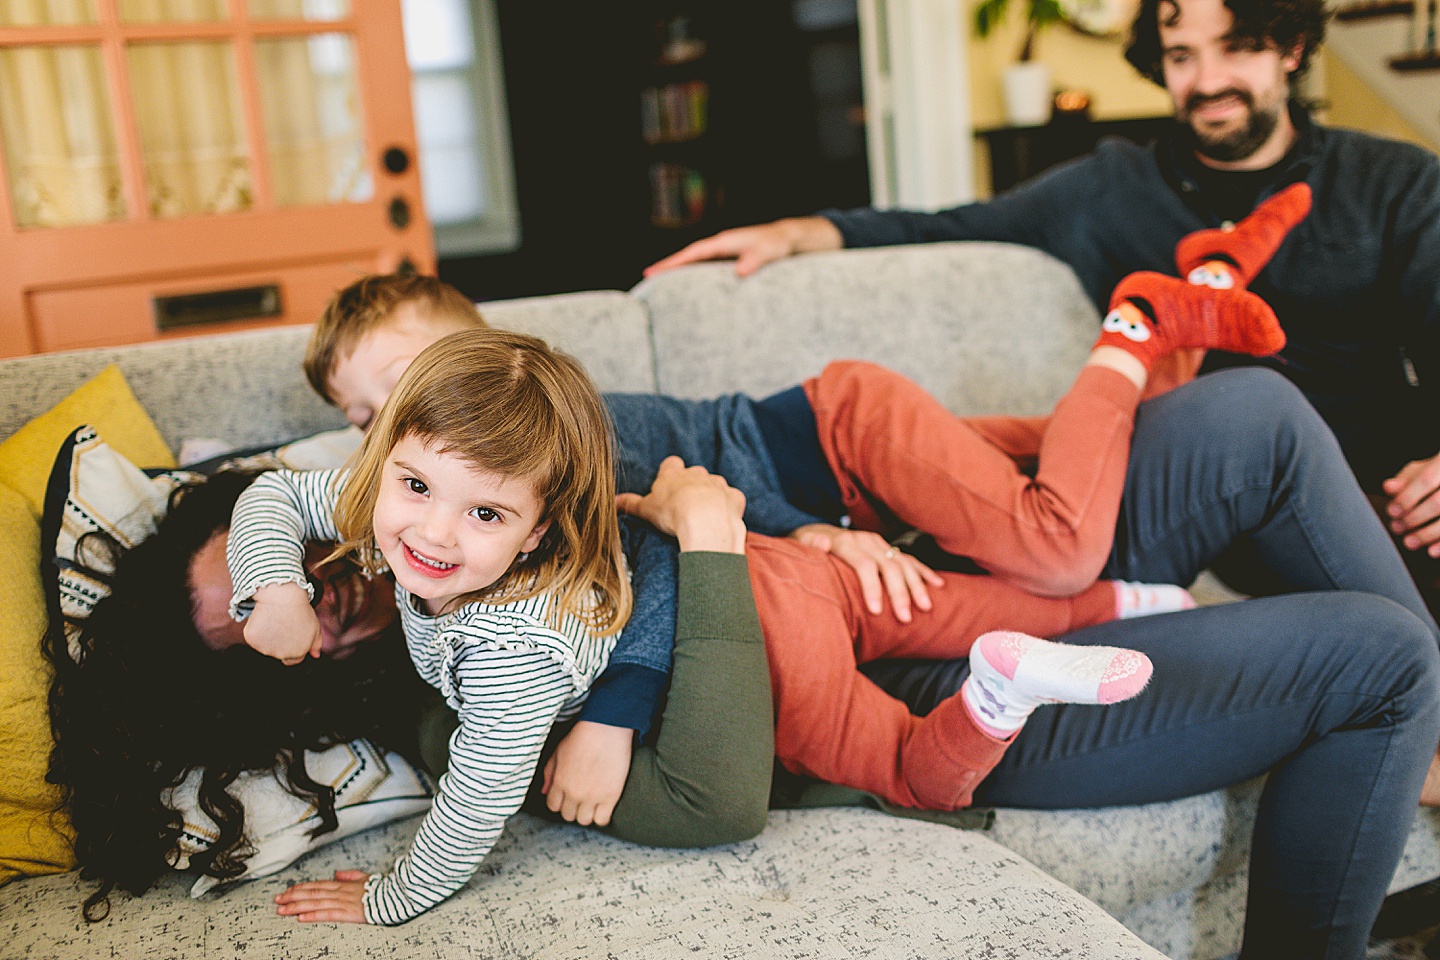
[(372, 329)]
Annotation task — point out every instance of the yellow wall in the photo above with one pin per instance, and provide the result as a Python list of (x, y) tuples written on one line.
[(1352, 103), (1076, 61)]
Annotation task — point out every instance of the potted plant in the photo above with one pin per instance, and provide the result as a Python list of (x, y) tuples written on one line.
[(1026, 82)]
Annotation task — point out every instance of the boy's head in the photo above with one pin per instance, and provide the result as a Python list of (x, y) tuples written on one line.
[(370, 332)]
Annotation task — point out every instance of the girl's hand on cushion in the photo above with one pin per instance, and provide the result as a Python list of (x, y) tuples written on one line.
[(335, 901), (283, 625)]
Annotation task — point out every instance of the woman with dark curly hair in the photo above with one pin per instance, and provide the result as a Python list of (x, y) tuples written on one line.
[(144, 700), (162, 684)]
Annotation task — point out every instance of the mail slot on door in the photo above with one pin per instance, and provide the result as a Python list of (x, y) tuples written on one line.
[(217, 306)]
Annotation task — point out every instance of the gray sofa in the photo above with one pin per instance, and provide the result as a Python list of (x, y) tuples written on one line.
[(988, 328)]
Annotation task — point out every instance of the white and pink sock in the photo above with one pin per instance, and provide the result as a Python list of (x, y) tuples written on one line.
[(1012, 673), (1144, 599)]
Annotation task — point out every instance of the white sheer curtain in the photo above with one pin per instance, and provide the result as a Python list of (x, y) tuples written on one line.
[(59, 139), (192, 130), (58, 124)]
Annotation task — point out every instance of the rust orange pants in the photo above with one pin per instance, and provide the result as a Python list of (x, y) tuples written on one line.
[(903, 460), (833, 723)]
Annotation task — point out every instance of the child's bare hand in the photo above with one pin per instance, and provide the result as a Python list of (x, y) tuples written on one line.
[(335, 901), (883, 570), (584, 778), (283, 625), (693, 505)]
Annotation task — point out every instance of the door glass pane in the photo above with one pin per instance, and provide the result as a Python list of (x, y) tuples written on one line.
[(172, 11), (313, 129), (438, 34), (192, 130), (44, 13), (59, 137), (450, 170), (299, 9)]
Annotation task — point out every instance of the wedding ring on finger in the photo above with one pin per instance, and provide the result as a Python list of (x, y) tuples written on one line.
[(889, 554)]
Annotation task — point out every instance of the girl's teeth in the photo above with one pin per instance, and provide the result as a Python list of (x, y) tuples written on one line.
[(429, 562)]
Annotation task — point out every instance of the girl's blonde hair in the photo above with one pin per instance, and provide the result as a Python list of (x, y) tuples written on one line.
[(508, 404)]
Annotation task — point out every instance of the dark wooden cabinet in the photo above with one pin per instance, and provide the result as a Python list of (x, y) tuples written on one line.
[(1019, 153)]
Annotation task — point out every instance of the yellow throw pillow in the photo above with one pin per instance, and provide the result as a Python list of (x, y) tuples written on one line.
[(33, 839), (105, 403)]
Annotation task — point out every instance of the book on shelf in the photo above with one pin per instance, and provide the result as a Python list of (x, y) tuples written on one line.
[(675, 112), (678, 195)]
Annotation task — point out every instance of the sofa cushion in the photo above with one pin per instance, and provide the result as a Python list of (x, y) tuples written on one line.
[(607, 330), (245, 387), (816, 883), (961, 325)]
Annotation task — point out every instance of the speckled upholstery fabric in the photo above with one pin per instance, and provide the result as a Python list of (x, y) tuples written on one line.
[(607, 329), (248, 388), (816, 883), (988, 328)]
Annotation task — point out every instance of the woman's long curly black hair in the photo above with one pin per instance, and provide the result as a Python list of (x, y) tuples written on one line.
[(144, 701)]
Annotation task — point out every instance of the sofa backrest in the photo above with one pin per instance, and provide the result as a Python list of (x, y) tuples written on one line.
[(248, 389), (607, 330), (986, 327), (244, 388)]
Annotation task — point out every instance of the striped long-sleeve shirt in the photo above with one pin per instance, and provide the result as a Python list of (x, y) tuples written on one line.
[(506, 671)]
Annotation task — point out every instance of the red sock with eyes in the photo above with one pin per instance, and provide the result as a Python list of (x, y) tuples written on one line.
[(1230, 259), (1152, 315)]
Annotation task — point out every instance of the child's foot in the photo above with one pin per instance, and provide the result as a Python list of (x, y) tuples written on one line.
[(1152, 315), (1144, 599), (1226, 259), (1011, 674)]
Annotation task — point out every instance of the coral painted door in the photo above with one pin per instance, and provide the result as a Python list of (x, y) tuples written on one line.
[(172, 167)]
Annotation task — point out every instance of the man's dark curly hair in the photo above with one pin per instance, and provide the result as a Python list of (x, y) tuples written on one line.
[(143, 702), (1281, 24)]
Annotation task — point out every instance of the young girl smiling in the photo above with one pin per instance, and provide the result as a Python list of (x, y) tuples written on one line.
[(486, 490)]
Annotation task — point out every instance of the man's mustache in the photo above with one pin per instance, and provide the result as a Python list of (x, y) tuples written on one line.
[(1197, 100)]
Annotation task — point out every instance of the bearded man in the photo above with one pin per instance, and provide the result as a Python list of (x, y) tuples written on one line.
[(1356, 285)]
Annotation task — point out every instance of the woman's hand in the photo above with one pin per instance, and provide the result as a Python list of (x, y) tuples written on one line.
[(283, 625), (883, 570), (337, 901), (693, 505), (586, 775)]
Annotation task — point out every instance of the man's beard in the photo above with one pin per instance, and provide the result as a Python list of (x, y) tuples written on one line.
[(1236, 144)]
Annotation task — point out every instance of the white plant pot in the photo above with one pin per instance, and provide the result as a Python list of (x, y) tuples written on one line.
[(1028, 94)]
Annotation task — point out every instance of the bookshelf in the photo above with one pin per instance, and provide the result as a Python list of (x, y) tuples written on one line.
[(675, 119), (640, 127)]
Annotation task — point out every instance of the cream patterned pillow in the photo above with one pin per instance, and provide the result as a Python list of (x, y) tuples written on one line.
[(370, 789)]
